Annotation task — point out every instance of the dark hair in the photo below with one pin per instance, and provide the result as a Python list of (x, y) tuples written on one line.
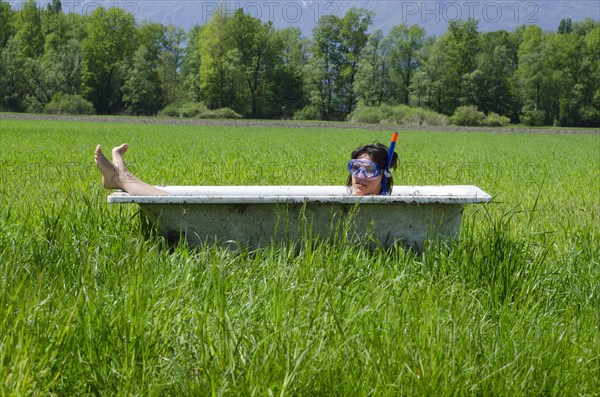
[(378, 154)]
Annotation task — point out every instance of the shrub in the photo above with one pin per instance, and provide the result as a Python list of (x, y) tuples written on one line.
[(393, 114), (590, 116), (309, 112), (495, 120), (32, 105), (197, 110), (221, 113), (366, 114), (533, 118), (401, 114), (420, 116), (69, 104), (192, 109), (184, 109), (171, 110), (467, 115)]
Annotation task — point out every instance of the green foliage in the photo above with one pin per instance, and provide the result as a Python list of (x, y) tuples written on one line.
[(185, 109), (471, 116), (443, 84), (403, 50), (197, 110), (172, 109), (6, 15), (29, 30), (141, 89), (255, 46), (491, 84), (171, 63), (495, 120), (565, 26), (558, 73), (221, 113), (337, 45), (190, 67), (68, 104), (13, 84), (372, 77), (236, 61), (107, 53), (590, 116), (242, 67), (533, 118), (309, 112), (467, 115), (400, 114), (369, 114), (217, 73)]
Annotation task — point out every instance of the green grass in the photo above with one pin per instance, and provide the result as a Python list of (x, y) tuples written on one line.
[(92, 307)]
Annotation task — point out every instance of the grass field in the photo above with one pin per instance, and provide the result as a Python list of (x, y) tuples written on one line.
[(92, 307)]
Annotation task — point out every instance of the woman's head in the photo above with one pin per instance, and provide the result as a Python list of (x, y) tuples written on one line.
[(366, 171)]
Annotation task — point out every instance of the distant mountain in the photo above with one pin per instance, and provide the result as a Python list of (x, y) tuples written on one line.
[(432, 15)]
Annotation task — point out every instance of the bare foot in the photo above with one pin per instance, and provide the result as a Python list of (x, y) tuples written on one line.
[(117, 156), (115, 175), (110, 173)]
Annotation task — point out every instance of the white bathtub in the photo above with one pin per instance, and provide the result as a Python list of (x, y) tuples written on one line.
[(256, 215)]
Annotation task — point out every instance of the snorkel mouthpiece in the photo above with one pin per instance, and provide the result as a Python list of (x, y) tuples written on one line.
[(386, 172)]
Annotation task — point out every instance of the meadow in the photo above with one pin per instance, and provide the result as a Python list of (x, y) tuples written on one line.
[(91, 305)]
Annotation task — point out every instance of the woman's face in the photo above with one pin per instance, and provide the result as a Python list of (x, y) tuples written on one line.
[(362, 186)]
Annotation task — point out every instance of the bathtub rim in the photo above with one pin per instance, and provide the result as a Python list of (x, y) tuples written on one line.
[(429, 194)]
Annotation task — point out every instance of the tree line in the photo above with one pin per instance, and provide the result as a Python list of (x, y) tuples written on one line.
[(122, 66)]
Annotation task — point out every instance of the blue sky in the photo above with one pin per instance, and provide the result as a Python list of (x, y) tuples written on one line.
[(433, 15)]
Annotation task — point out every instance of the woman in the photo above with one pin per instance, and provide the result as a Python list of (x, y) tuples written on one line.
[(366, 168)]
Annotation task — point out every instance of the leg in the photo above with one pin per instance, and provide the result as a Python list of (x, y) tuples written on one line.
[(116, 175)]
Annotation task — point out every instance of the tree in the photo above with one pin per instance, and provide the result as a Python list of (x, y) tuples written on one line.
[(565, 26), (531, 76), (285, 79), (327, 56), (491, 84), (372, 82), (216, 75), (337, 45), (444, 82), (65, 62), (55, 7), (171, 60), (294, 51), (13, 85), (7, 90), (190, 66), (147, 70), (354, 37), (463, 47), (586, 26), (29, 30), (107, 51), (590, 70), (141, 90), (254, 43), (404, 56), (563, 73), (25, 78), (6, 16), (431, 83), (242, 65)]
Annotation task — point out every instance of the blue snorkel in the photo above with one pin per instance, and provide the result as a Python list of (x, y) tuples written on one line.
[(386, 172)]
